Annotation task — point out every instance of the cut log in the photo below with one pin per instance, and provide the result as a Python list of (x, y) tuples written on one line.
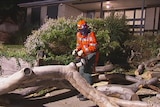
[(154, 88), (126, 92), (150, 65), (149, 75), (126, 103), (115, 78), (140, 69), (118, 91), (106, 68)]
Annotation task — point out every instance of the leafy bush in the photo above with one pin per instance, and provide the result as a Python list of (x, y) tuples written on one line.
[(58, 37), (118, 32)]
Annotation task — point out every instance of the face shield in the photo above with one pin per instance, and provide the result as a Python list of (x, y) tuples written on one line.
[(85, 30)]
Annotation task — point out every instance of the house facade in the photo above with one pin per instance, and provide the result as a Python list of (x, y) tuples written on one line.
[(141, 15)]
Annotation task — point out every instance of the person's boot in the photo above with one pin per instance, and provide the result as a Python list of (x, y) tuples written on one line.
[(79, 95)]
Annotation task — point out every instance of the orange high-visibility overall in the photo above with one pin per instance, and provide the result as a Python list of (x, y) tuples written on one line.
[(88, 44)]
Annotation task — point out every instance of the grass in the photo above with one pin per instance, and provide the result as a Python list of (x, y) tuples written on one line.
[(17, 51)]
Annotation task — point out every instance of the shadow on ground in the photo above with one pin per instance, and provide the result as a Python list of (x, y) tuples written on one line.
[(15, 100)]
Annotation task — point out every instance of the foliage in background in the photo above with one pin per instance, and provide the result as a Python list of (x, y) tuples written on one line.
[(11, 13), (111, 32), (119, 33), (10, 9), (20, 36), (58, 37), (17, 51), (145, 47)]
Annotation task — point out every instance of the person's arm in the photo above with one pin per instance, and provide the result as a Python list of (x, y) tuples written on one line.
[(78, 43), (93, 45)]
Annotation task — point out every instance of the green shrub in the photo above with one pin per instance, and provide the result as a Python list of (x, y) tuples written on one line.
[(118, 32), (58, 37), (147, 47)]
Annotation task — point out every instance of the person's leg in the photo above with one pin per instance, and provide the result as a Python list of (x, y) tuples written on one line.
[(87, 76), (91, 58), (86, 71)]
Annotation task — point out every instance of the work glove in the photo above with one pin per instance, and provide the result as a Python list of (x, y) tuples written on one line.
[(74, 52), (83, 61), (80, 53)]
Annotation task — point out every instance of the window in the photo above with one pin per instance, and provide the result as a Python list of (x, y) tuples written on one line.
[(91, 14), (135, 21), (129, 14), (106, 14), (133, 18), (139, 13), (35, 16), (52, 11)]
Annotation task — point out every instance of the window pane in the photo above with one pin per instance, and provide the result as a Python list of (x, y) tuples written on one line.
[(35, 16), (129, 14), (139, 12), (119, 13), (52, 11), (106, 14), (91, 14), (138, 22), (130, 22)]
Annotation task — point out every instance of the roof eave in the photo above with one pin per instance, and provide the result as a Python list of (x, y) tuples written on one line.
[(41, 3)]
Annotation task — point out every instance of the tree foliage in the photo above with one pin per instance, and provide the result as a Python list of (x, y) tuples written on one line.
[(10, 9)]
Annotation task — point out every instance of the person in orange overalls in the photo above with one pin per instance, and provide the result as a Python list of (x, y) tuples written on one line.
[(87, 52)]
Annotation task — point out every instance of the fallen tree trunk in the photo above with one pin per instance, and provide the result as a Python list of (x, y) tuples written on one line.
[(68, 72), (127, 92)]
